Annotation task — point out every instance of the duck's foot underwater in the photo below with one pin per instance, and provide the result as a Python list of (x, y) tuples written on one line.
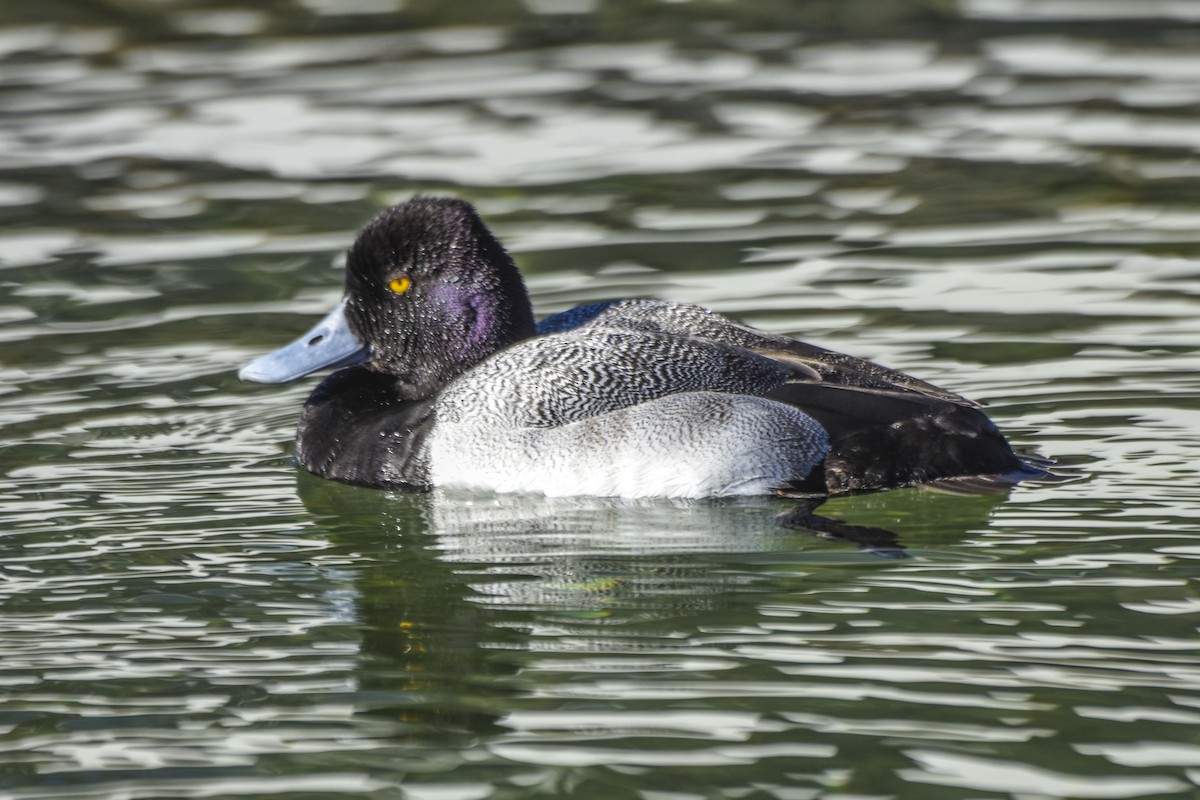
[(877, 541)]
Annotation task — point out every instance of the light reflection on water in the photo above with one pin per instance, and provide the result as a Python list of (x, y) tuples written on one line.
[(1000, 201)]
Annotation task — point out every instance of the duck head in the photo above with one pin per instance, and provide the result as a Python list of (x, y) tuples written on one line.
[(430, 292)]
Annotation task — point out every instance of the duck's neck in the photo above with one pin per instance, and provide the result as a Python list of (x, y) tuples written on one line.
[(462, 325), (487, 308), (482, 318)]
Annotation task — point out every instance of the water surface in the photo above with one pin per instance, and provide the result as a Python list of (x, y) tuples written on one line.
[(997, 196)]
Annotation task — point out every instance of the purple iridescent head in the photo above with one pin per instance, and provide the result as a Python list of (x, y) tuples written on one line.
[(432, 292)]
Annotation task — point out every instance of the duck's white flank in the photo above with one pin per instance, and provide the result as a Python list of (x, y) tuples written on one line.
[(695, 444), (621, 413)]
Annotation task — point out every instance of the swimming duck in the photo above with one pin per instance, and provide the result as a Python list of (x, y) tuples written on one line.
[(446, 380)]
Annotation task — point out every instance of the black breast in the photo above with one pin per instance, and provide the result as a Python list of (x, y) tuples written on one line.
[(356, 429)]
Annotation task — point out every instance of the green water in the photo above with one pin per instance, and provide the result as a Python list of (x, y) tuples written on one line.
[(999, 197)]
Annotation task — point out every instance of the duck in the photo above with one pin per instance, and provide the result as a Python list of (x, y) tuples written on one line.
[(444, 379)]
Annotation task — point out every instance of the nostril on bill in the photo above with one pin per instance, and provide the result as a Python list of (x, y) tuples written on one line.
[(316, 340)]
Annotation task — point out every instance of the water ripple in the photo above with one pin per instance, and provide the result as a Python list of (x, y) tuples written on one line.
[(995, 196)]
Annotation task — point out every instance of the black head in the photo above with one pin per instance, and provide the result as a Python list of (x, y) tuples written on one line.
[(432, 292)]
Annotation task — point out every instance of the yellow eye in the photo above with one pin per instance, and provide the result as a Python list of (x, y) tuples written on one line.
[(400, 285)]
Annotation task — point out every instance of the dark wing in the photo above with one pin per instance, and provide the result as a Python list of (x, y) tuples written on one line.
[(887, 429), (840, 369)]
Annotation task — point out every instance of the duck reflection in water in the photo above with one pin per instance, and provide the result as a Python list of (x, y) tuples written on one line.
[(446, 382), (598, 558), (453, 591)]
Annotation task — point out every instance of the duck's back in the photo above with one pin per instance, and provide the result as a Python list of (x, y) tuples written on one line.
[(885, 427)]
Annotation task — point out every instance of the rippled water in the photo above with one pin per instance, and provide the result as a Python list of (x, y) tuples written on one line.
[(1000, 196)]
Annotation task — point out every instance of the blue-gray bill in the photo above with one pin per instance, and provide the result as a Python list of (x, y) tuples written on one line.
[(330, 343)]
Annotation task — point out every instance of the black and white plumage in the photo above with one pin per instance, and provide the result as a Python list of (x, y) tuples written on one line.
[(621, 412), (454, 386)]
